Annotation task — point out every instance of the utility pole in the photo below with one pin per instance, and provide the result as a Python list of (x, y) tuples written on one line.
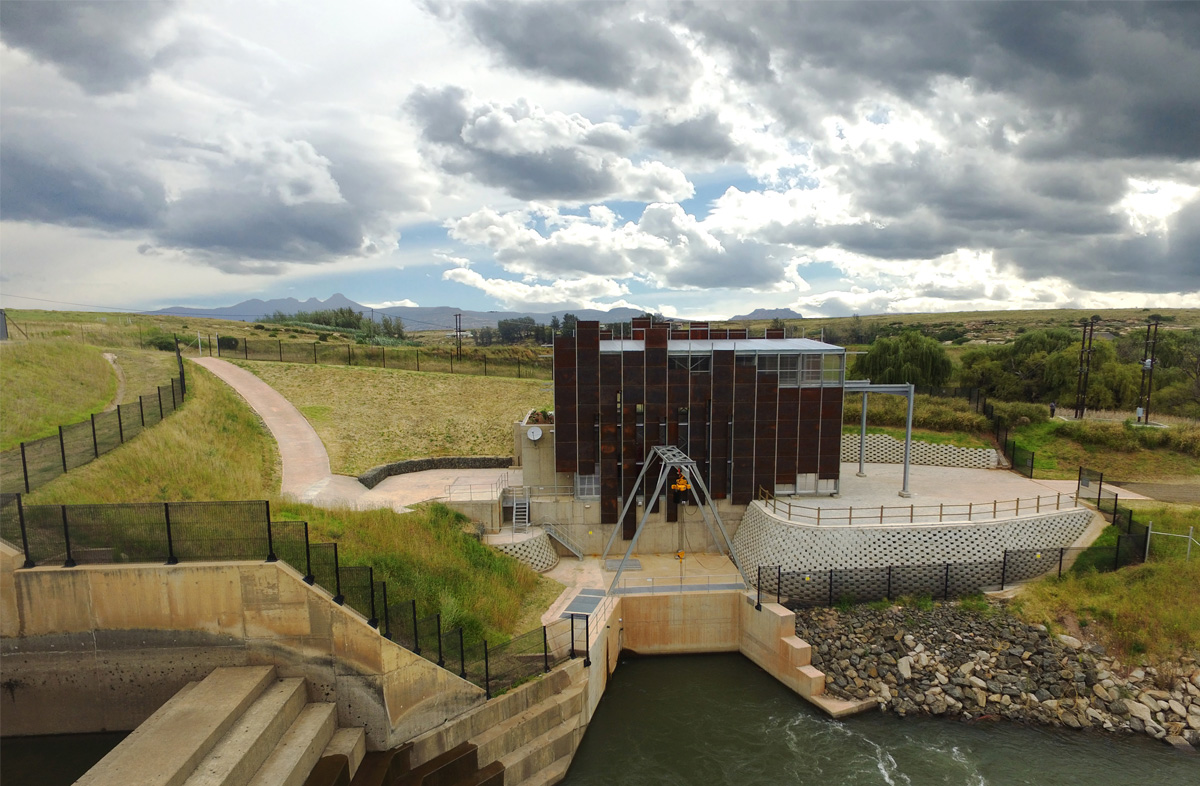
[(458, 335), (1085, 366), (1148, 358)]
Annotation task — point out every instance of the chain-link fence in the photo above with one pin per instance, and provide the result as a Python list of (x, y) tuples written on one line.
[(404, 358), (35, 463)]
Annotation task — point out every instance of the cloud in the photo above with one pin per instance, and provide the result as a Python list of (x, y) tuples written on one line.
[(537, 155), (103, 47), (603, 45), (574, 293), (705, 136)]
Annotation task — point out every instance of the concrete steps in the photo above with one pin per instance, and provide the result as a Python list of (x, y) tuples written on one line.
[(542, 752), (236, 727)]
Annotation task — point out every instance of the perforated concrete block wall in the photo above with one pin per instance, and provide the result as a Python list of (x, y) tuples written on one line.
[(763, 539), (885, 449), (537, 552)]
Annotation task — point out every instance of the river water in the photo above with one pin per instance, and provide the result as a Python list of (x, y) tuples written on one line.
[(713, 720)]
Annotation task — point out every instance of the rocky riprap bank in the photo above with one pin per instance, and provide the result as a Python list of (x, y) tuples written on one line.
[(960, 663)]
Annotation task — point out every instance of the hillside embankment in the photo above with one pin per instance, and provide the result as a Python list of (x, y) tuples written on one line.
[(952, 661)]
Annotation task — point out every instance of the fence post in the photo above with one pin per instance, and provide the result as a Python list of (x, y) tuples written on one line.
[(1117, 554), (280, 343), (758, 591), (218, 345), (518, 368), (314, 353), (487, 673), (95, 443), (120, 426), (1149, 532), (24, 468), (587, 641), (62, 448), (946, 584), (29, 563), (246, 348), (1060, 561), (545, 650), (1004, 571), (889, 587), (779, 584), (418, 360), (210, 345), (171, 559), (70, 562), (462, 655), (339, 598), (349, 356), (309, 578), (441, 661), (141, 412), (485, 365), (416, 635), (270, 536), (373, 621), (452, 364), (831, 587), (1031, 457), (160, 409), (387, 618), (572, 637)]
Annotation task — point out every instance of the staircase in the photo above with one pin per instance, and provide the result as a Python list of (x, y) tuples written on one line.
[(237, 727), (521, 510), (562, 537)]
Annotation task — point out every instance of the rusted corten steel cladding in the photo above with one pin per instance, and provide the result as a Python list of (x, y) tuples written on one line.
[(696, 389)]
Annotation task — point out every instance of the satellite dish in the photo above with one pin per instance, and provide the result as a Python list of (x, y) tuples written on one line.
[(534, 433)]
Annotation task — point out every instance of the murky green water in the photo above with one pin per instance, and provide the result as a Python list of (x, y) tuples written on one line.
[(53, 760), (719, 719)]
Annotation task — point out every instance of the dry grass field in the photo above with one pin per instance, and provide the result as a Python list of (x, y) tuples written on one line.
[(370, 416), (46, 384)]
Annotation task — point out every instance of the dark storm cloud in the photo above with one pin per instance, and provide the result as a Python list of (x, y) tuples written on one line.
[(532, 155), (704, 137), (602, 44), (103, 47), (54, 189)]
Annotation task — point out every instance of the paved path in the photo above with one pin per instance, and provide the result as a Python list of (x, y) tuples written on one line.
[(306, 473)]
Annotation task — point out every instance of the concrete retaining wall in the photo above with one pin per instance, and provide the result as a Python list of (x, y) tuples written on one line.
[(886, 449), (764, 539), (537, 551), (100, 647), (376, 475)]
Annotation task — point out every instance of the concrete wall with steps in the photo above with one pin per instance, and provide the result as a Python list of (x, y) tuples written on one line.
[(115, 642)]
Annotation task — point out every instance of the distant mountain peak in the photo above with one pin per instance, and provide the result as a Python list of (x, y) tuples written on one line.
[(768, 313)]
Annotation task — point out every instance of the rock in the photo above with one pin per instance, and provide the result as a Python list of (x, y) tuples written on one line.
[(1177, 708), (967, 668), (1100, 692), (1070, 720), (980, 697), (1193, 721), (1118, 707), (1137, 725), (1149, 701), (1139, 711), (1070, 641), (1156, 731), (1180, 744), (904, 666)]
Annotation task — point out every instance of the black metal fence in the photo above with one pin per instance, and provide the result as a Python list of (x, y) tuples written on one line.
[(35, 463), (404, 358), (173, 532)]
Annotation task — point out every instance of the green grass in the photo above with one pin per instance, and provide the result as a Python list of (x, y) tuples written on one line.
[(213, 448), (428, 555), (959, 439), (144, 370), (1061, 447), (372, 416), (46, 384)]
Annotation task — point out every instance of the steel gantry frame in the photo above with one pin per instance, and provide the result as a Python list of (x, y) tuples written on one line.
[(671, 458)]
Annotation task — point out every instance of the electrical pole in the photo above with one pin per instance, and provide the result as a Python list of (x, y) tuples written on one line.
[(1148, 358), (1085, 366)]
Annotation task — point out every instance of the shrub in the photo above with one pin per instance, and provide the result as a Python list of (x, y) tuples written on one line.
[(163, 342), (227, 342)]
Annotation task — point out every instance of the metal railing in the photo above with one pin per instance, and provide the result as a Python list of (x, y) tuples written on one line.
[(465, 491), (885, 515), (560, 534), (35, 463), (653, 585)]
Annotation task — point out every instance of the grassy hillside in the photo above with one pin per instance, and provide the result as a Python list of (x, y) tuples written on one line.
[(47, 384), (371, 416)]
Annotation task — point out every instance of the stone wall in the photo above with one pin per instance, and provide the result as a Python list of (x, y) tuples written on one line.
[(536, 551), (886, 449), (100, 647), (376, 475)]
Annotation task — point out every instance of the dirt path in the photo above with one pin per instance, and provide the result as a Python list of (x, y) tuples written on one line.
[(112, 359)]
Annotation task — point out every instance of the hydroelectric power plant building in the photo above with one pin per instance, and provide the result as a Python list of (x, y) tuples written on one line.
[(753, 413)]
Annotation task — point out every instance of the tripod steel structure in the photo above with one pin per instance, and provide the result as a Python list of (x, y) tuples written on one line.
[(672, 458)]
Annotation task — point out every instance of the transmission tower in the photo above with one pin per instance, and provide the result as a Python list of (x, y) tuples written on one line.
[(1085, 366)]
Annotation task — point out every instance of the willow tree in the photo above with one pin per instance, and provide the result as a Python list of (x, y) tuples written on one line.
[(908, 357)]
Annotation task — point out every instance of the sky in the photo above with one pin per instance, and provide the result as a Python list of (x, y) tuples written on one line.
[(696, 159)]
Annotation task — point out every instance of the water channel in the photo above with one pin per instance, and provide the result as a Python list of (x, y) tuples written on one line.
[(719, 719)]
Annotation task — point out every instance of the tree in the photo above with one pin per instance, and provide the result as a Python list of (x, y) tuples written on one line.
[(909, 357), (568, 325)]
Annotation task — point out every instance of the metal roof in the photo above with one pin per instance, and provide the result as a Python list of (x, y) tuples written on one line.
[(705, 346)]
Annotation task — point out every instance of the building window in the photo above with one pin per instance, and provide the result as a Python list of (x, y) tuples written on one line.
[(693, 363), (587, 486)]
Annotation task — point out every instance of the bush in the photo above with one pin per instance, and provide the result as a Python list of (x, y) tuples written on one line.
[(227, 342), (163, 342), (1011, 413)]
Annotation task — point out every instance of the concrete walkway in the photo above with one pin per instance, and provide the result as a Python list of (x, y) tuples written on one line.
[(306, 473)]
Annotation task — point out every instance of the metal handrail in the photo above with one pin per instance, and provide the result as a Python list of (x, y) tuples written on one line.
[(560, 535), (657, 584), (884, 515)]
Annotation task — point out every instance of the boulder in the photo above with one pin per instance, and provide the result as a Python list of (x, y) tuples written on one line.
[(1070, 641)]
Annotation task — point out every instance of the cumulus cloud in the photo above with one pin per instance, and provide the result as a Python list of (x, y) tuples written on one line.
[(571, 293), (535, 154)]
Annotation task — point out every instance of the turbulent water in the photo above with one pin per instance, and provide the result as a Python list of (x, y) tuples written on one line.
[(719, 719)]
